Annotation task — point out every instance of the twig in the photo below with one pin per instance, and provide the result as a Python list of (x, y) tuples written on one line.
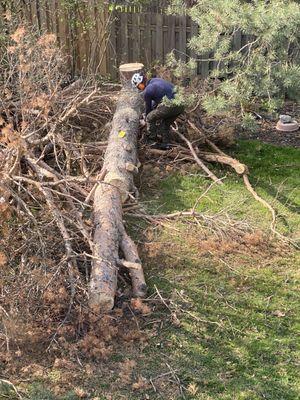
[(272, 211), (205, 138), (175, 376), (161, 298), (202, 195), (13, 386), (70, 256), (99, 178), (210, 174)]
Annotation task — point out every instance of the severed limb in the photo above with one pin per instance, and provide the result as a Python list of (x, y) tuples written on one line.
[(210, 174)]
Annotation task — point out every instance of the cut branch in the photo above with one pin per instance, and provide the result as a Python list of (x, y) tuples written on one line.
[(262, 201), (210, 174), (239, 168)]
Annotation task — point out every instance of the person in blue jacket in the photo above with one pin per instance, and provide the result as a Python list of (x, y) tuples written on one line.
[(159, 116)]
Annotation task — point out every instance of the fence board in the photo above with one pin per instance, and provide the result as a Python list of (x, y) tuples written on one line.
[(136, 45), (124, 37), (182, 38), (47, 15), (193, 54), (100, 18), (33, 13), (105, 20), (152, 45), (38, 7), (42, 5), (141, 38), (93, 34), (171, 33), (63, 27), (136, 33), (204, 65), (159, 38), (147, 39), (112, 48), (88, 33), (82, 37), (53, 23)]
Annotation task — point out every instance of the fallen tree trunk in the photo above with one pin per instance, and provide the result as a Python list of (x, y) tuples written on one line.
[(110, 237)]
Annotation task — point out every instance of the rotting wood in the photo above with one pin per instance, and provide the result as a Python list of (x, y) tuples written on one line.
[(110, 236)]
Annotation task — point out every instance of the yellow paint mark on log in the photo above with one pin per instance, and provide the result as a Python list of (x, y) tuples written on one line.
[(122, 134)]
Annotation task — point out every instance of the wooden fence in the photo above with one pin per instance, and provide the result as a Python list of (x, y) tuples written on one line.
[(81, 29), (148, 37), (100, 35)]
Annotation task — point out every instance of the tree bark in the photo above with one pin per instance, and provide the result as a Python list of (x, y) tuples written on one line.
[(239, 168), (120, 163)]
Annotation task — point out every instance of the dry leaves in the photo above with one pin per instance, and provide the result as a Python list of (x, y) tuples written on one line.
[(193, 389), (81, 393), (18, 35), (279, 313), (47, 39), (140, 307), (126, 369), (3, 259), (141, 384)]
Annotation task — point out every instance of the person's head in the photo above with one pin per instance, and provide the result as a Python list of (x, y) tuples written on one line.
[(139, 80)]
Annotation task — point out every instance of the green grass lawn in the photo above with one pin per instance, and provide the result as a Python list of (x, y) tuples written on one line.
[(274, 174), (229, 328)]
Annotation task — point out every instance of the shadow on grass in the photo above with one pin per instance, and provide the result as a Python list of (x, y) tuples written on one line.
[(284, 200), (238, 329), (237, 338)]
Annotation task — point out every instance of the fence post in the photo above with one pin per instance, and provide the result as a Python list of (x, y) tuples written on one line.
[(103, 36)]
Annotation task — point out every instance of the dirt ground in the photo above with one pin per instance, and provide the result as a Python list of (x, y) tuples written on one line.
[(267, 132)]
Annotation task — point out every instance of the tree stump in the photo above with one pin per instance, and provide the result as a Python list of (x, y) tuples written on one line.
[(112, 246)]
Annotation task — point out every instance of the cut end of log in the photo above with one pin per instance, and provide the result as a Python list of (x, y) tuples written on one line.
[(127, 70), (241, 168), (131, 67)]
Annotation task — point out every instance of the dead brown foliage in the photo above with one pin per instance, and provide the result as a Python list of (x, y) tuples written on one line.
[(52, 138)]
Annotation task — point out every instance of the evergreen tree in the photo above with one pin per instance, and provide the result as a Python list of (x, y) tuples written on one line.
[(265, 69)]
